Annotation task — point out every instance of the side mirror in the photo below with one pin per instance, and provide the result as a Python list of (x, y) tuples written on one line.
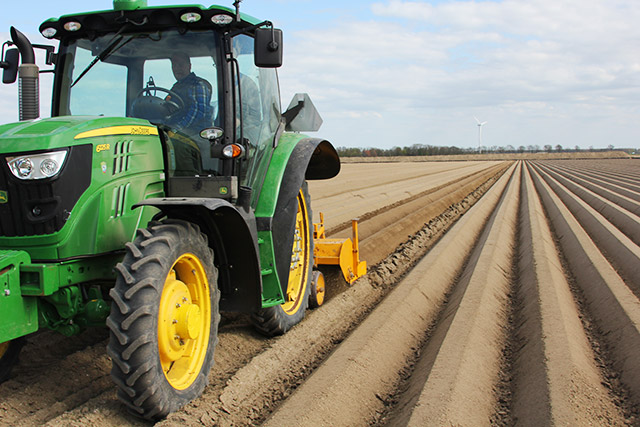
[(268, 48), (10, 65)]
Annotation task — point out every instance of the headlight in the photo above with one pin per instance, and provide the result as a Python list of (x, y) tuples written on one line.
[(222, 19), (190, 17), (72, 26), (37, 166), (49, 32)]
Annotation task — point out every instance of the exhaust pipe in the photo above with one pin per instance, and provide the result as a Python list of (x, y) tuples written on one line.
[(28, 73)]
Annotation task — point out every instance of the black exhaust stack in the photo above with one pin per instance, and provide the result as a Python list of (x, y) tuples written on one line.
[(28, 74)]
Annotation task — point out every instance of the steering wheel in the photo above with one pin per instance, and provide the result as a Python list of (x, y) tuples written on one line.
[(154, 108)]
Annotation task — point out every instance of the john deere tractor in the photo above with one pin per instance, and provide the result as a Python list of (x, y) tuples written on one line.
[(148, 204)]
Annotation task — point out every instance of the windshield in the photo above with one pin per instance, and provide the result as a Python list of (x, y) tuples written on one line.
[(168, 78), (127, 68)]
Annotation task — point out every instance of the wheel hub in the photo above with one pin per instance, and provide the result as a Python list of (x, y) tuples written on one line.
[(179, 320)]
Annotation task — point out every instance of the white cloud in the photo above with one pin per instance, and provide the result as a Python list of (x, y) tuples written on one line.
[(559, 67)]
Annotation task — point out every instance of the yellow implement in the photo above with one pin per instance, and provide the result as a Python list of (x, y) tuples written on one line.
[(342, 252)]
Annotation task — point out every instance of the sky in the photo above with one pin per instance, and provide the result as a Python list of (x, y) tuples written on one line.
[(396, 73)]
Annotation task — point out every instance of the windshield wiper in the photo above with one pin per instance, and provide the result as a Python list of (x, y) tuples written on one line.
[(103, 55), (117, 38)]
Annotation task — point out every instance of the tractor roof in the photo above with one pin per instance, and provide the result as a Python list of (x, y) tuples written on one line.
[(141, 18)]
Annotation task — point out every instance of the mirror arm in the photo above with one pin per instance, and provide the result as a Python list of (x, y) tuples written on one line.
[(49, 52), (248, 29), (3, 63)]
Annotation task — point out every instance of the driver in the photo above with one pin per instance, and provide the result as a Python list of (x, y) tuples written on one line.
[(197, 113)]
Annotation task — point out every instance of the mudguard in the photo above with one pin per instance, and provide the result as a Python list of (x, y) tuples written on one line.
[(294, 161), (232, 236)]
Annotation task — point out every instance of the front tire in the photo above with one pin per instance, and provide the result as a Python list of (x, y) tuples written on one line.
[(279, 319), (164, 319)]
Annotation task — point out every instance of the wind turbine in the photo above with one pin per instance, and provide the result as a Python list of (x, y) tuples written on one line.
[(480, 124)]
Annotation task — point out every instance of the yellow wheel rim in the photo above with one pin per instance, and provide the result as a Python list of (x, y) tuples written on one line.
[(299, 270), (320, 290), (3, 348), (184, 321)]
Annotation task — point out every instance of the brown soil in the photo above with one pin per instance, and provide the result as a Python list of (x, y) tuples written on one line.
[(432, 353), (520, 308)]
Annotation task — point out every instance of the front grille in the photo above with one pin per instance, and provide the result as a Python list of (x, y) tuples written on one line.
[(37, 207)]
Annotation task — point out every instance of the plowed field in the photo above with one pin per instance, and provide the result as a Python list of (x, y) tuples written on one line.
[(498, 293)]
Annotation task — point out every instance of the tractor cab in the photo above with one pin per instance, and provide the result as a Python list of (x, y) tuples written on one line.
[(191, 72)]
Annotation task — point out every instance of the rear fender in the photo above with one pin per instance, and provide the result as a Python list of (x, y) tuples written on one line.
[(233, 238), (293, 162)]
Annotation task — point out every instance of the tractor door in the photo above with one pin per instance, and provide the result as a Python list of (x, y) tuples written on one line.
[(257, 113)]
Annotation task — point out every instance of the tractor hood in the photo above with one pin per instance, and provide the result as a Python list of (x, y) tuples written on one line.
[(65, 131)]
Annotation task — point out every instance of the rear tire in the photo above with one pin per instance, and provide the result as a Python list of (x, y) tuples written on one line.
[(164, 319), (279, 319), (9, 353)]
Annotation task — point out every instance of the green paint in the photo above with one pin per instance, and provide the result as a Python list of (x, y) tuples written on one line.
[(271, 289), (129, 4), (129, 166), (266, 206), (18, 315), (99, 222)]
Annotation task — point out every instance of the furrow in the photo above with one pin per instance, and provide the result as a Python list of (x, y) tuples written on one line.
[(626, 185), (606, 191), (459, 388), (395, 225), (357, 177), (608, 299), (350, 386), (352, 203), (556, 380), (626, 221), (619, 249)]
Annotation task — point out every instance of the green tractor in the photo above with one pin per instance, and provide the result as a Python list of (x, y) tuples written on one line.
[(166, 186)]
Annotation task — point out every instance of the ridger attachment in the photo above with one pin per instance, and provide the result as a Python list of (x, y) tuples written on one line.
[(342, 252)]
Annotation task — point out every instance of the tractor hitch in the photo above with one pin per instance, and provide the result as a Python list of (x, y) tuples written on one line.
[(342, 252)]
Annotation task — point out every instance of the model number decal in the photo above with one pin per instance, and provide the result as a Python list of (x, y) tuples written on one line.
[(142, 130), (102, 147)]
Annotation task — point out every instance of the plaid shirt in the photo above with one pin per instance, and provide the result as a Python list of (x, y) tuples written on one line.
[(196, 94)]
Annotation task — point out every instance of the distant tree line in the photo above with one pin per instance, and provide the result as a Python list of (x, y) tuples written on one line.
[(433, 150), (414, 150)]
